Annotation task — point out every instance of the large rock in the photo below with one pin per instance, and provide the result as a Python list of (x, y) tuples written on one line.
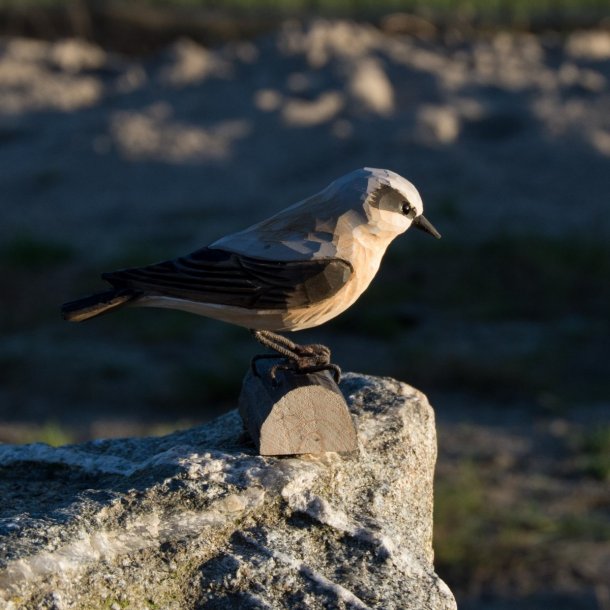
[(197, 520)]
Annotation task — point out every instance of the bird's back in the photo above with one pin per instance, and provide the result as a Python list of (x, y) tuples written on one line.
[(309, 228)]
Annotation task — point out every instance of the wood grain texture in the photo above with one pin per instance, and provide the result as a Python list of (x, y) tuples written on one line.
[(295, 270), (301, 414)]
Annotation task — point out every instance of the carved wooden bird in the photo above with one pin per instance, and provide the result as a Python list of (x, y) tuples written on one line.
[(294, 270)]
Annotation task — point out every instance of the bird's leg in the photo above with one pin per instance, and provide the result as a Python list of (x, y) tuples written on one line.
[(303, 358), (283, 346)]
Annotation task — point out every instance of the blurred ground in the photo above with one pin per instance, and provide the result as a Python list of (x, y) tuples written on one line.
[(108, 161)]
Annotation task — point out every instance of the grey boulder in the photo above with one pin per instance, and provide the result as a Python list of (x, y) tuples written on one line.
[(196, 519)]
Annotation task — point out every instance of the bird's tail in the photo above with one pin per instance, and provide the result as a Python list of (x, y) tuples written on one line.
[(96, 304)]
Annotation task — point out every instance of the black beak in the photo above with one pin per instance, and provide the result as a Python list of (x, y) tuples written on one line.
[(422, 223)]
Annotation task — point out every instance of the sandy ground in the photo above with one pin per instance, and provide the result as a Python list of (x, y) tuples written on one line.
[(107, 161)]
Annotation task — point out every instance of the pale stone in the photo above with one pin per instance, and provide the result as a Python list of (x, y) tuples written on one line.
[(592, 45), (190, 63), (197, 519), (305, 113), (371, 87)]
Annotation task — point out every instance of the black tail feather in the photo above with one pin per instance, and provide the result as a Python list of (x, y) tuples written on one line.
[(96, 304)]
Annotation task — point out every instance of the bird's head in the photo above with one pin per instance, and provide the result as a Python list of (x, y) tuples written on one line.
[(392, 204)]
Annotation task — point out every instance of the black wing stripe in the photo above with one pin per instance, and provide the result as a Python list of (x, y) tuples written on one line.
[(221, 277), (199, 269), (166, 285), (188, 279)]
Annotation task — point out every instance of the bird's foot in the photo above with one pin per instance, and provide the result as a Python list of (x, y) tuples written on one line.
[(300, 359), (310, 358)]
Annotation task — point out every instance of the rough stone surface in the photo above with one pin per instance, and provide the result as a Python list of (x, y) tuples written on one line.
[(196, 519)]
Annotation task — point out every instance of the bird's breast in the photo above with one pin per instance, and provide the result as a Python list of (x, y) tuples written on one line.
[(365, 259), (364, 251)]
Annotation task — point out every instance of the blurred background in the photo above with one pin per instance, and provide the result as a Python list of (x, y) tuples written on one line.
[(136, 131)]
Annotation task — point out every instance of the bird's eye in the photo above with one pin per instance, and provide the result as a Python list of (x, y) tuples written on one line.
[(407, 208)]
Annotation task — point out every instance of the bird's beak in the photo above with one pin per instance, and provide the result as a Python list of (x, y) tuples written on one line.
[(422, 223)]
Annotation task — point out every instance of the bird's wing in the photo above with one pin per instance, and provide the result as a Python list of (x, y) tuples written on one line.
[(217, 276)]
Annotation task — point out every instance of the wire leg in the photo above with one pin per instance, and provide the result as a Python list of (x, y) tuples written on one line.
[(300, 358)]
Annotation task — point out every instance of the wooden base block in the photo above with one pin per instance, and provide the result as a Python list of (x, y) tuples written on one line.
[(297, 414)]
